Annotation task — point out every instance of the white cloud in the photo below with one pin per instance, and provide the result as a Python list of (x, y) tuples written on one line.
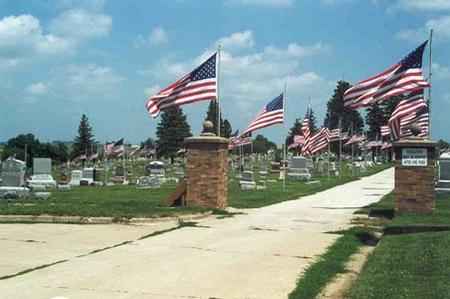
[(440, 26), (37, 89), (249, 80), (22, 36), (157, 37), (152, 90), (270, 3), (423, 5), (237, 40), (81, 24)]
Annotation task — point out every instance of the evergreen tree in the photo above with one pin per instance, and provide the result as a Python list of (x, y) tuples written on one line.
[(211, 115), (336, 111), (172, 129), (295, 130), (375, 118), (312, 122), (389, 106), (261, 144), (84, 143), (149, 143), (227, 129)]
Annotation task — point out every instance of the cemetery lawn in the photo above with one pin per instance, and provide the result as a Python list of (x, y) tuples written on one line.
[(409, 265), (116, 201)]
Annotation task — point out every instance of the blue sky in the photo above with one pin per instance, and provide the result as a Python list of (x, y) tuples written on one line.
[(62, 58)]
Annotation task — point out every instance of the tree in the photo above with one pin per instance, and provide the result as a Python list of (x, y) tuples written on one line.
[(211, 115), (227, 129), (312, 122), (261, 144), (295, 130), (375, 118), (84, 142), (149, 143), (171, 132), (336, 111), (443, 145)]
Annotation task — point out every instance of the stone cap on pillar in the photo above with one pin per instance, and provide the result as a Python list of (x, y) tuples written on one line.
[(207, 137), (415, 142)]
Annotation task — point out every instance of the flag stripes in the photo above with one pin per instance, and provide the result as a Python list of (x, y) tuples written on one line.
[(272, 113)]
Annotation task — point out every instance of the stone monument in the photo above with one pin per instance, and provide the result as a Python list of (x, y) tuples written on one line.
[(13, 173), (207, 169), (415, 163)]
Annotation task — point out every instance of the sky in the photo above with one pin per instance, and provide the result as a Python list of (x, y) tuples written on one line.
[(62, 58)]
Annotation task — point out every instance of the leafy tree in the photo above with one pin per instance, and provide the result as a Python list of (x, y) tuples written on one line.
[(336, 111), (84, 142), (375, 118), (261, 144), (171, 132), (34, 148)]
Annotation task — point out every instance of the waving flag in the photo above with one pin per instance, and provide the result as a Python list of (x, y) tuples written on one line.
[(198, 85), (319, 141), (385, 131), (272, 113), (306, 134), (299, 141), (335, 134), (403, 77), (421, 119), (406, 111)]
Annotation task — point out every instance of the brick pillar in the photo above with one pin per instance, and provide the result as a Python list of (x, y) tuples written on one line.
[(207, 171), (414, 176)]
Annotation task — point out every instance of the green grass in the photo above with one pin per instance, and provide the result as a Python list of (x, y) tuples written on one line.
[(116, 201), (127, 201), (328, 265), (406, 266), (413, 265)]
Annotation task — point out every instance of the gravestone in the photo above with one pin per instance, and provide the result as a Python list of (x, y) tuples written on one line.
[(13, 173), (297, 162), (42, 166), (75, 177), (415, 160), (147, 182), (444, 173)]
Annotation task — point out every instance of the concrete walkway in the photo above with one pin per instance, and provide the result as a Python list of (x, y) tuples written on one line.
[(257, 255)]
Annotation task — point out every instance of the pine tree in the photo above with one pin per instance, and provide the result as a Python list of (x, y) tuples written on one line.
[(211, 115), (375, 118), (172, 129), (227, 129), (84, 142), (312, 122), (295, 130), (336, 111)]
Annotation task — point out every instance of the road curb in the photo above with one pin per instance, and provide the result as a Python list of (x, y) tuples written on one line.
[(96, 220)]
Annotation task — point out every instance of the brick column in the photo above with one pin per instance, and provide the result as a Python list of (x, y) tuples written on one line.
[(207, 171), (414, 185)]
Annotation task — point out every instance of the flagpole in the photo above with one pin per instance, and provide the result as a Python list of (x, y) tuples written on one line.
[(430, 73), (219, 48), (285, 147), (340, 145)]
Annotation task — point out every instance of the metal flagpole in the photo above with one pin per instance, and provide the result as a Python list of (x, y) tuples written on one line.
[(353, 151), (219, 48), (340, 145), (430, 73), (285, 147)]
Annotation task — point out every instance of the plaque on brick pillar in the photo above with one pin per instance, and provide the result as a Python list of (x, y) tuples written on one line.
[(415, 166), (206, 170)]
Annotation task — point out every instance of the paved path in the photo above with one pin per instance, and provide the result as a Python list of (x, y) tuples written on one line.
[(257, 255)]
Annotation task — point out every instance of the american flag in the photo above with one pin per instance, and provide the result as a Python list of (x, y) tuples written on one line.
[(386, 145), (272, 113), (355, 139), (93, 157), (299, 141), (114, 148), (403, 77), (405, 112), (306, 134), (335, 134), (239, 141), (319, 141), (421, 120), (385, 131), (198, 85)]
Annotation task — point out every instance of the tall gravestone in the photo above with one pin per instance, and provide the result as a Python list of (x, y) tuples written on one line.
[(207, 170), (415, 166), (42, 166), (13, 173)]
